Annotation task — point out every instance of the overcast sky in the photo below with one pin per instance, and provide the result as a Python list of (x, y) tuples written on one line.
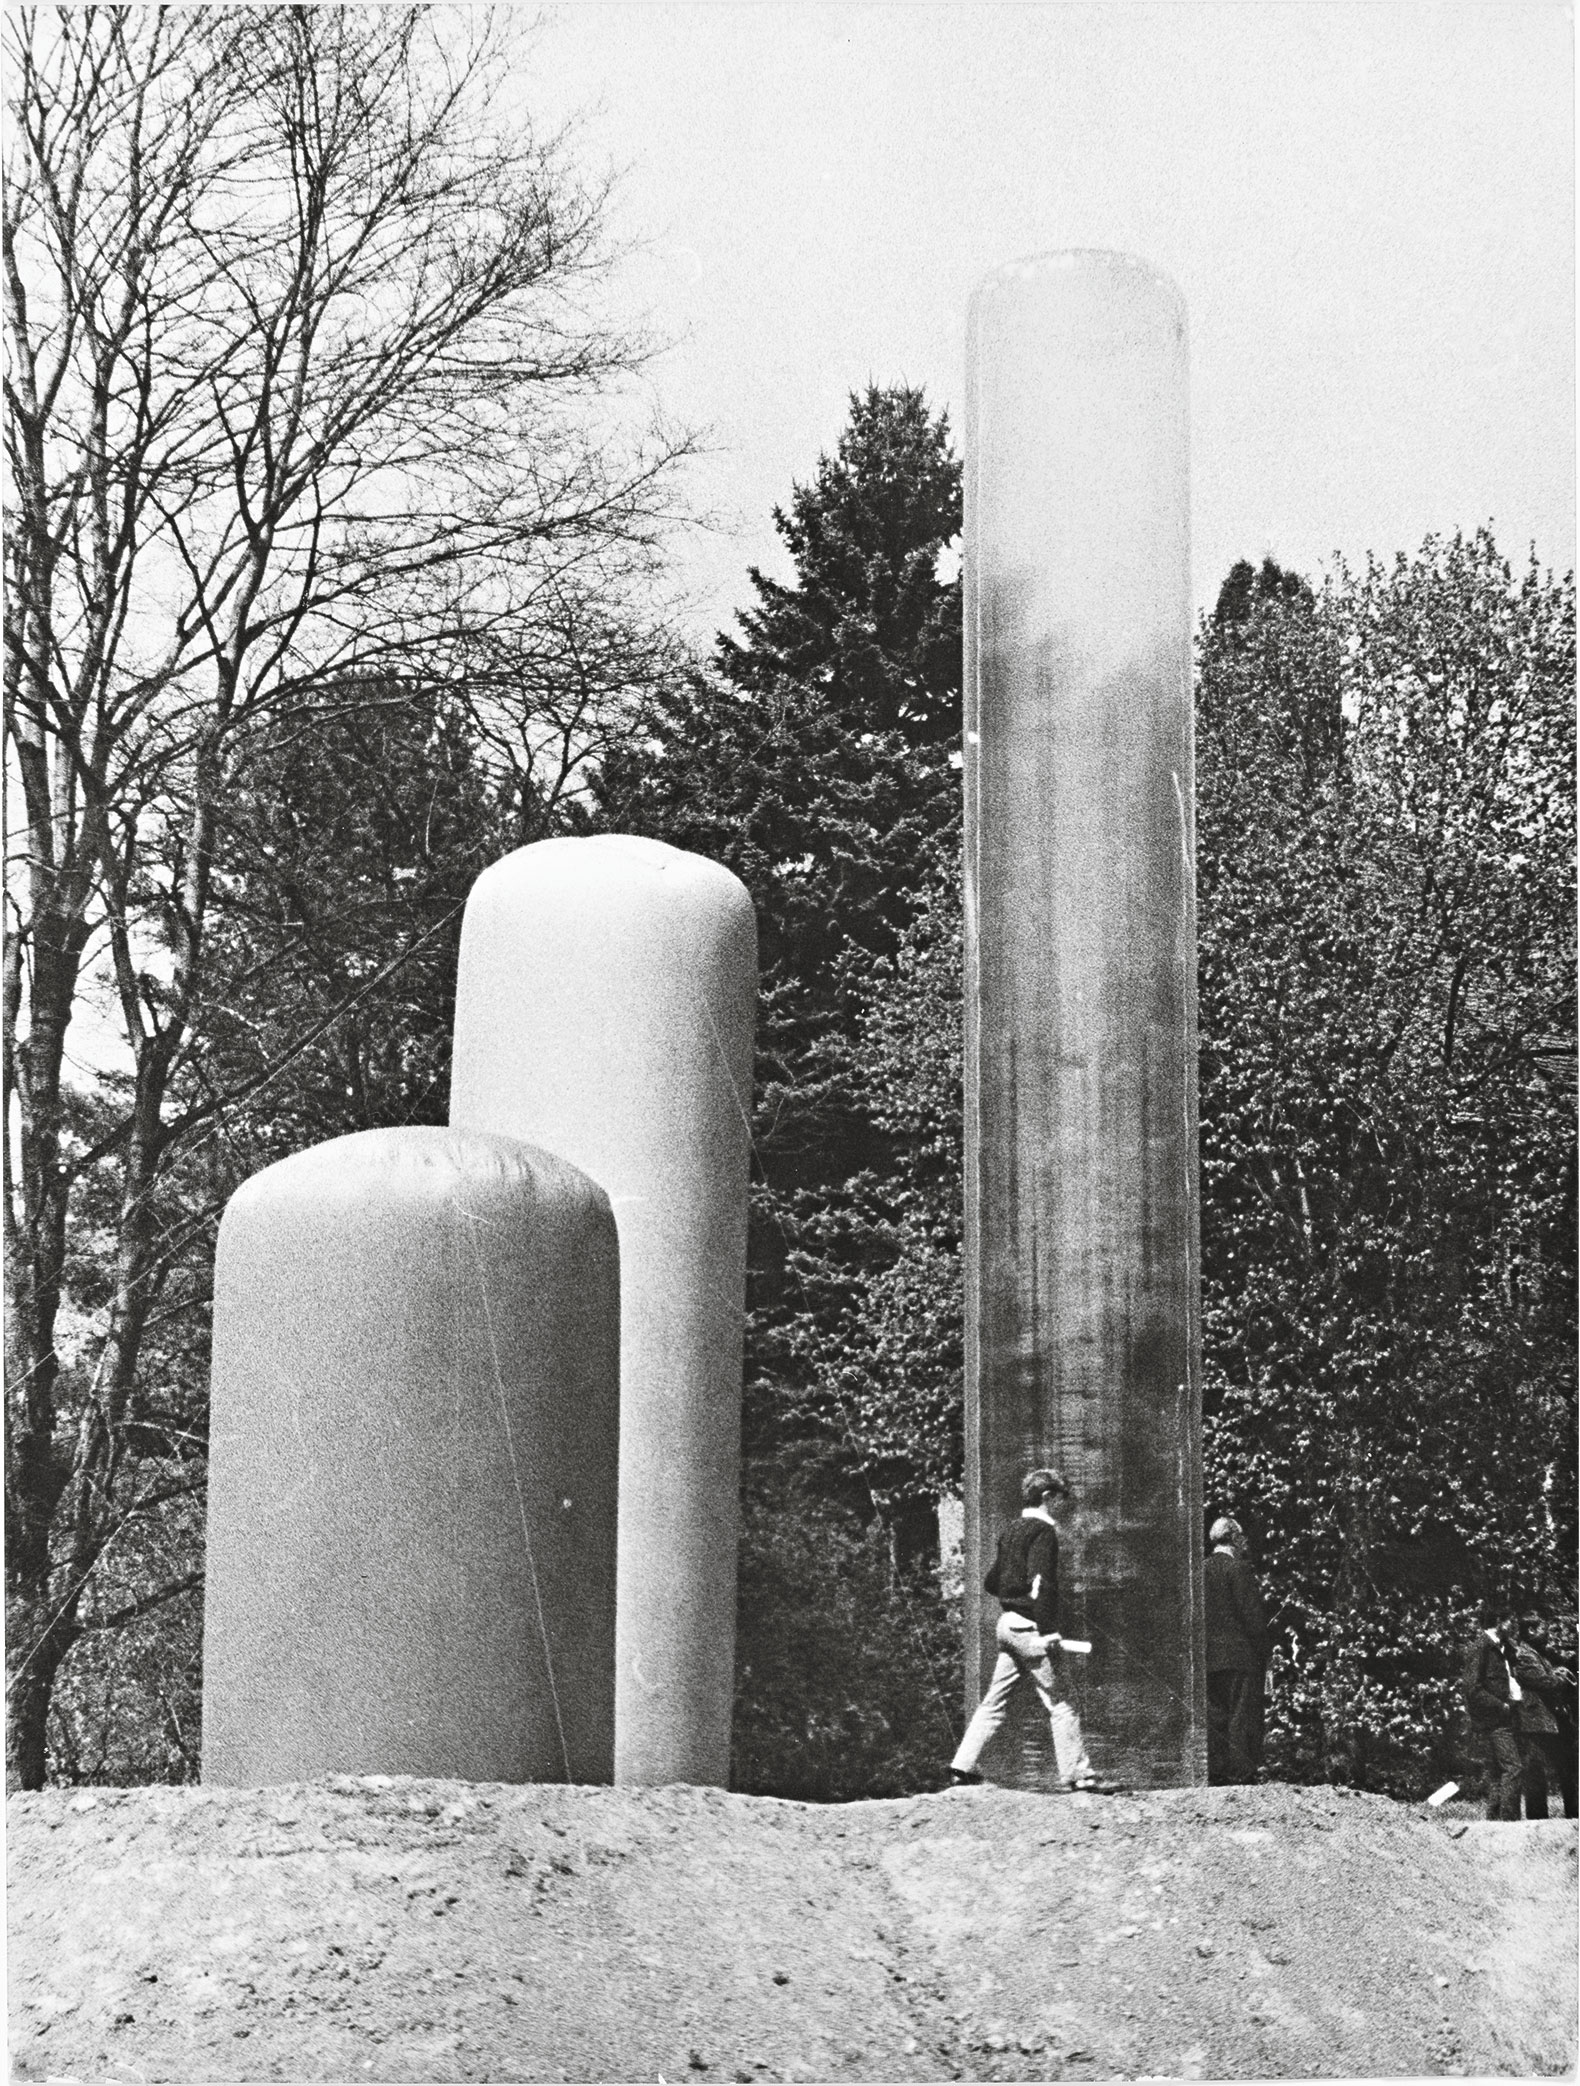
[(1369, 210)]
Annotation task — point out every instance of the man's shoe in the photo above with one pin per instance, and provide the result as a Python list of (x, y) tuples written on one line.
[(1095, 1785), (964, 1778)]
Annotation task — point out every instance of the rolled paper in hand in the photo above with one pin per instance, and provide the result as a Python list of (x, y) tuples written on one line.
[(1080, 1644)]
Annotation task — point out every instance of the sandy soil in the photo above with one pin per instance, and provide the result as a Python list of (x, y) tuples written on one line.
[(378, 1930)]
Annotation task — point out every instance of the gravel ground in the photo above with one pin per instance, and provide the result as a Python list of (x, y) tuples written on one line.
[(402, 1930)]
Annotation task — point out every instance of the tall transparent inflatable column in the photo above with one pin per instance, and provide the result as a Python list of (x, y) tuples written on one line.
[(1083, 1338), (605, 1009)]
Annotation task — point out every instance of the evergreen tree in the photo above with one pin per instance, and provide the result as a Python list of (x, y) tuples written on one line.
[(818, 760), (817, 757)]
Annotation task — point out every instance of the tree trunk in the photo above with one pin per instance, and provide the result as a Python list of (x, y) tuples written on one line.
[(39, 1642)]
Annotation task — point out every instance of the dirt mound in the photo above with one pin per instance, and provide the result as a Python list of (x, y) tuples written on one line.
[(394, 1930)]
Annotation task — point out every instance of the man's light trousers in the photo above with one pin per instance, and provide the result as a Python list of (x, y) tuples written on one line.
[(1022, 1656)]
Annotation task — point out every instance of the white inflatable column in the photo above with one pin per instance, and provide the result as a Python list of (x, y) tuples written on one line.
[(412, 1467), (605, 1009)]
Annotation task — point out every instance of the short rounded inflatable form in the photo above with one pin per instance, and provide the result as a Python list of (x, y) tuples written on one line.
[(413, 1467), (604, 1010)]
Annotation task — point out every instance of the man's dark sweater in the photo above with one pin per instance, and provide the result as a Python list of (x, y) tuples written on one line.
[(1237, 1637), (1025, 1575)]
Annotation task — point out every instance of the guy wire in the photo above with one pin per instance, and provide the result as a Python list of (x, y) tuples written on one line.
[(515, 1473)]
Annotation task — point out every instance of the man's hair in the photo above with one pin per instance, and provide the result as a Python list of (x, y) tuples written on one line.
[(1037, 1484), (1225, 1530)]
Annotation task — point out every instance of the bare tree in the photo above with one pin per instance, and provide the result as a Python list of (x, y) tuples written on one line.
[(303, 383)]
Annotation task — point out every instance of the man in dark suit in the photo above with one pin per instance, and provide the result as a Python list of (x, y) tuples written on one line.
[(1238, 1646), (1546, 1731), (1492, 1696), (1556, 1643)]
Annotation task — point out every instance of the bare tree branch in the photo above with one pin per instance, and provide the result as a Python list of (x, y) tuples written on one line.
[(306, 379)]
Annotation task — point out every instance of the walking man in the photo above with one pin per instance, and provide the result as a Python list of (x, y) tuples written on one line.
[(1025, 1582), (1238, 1645)]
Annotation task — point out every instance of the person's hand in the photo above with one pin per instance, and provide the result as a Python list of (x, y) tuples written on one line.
[(1053, 1642)]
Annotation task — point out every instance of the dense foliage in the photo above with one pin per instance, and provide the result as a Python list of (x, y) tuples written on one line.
[(1385, 863), (847, 1669)]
